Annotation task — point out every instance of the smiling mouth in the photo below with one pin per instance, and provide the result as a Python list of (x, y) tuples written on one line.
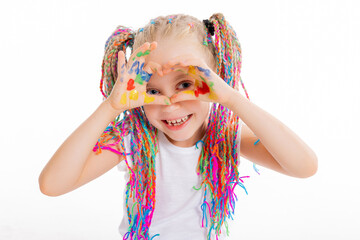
[(177, 122)]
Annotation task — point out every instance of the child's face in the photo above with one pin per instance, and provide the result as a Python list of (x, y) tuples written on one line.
[(188, 133)]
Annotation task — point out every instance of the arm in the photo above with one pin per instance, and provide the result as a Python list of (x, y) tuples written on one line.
[(279, 148), (64, 172), (74, 163)]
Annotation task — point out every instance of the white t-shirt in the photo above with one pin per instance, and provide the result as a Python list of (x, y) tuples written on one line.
[(177, 213)]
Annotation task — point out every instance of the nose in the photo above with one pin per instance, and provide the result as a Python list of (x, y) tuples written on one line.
[(172, 107)]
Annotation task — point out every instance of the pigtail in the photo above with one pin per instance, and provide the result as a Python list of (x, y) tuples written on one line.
[(141, 186), (120, 40), (228, 48), (218, 163)]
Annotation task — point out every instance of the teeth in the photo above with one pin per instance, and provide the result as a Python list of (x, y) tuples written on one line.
[(177, 122)]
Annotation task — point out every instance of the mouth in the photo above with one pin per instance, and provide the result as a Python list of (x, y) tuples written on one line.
[(177, 124)]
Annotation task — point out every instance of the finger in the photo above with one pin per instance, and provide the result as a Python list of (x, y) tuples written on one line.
[(171, 64), (121, 63), (153, 46), (153, 99), (176, 68), (162, 100), (191, 66), (153, 67), (139, 52), (184, 60), (145, 49), (183, 96), (143, 54)]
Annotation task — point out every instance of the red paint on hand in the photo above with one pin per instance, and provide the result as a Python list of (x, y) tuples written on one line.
[(196, 91), (130, 85), (202, 90)]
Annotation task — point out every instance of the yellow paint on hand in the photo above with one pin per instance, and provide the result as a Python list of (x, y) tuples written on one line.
[(197, 83), (192, 70), (148, 99), (123, 99), (191, 92), (213, 96), (134, 95)]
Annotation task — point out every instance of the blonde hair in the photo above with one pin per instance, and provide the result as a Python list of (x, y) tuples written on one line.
[(180, 26)]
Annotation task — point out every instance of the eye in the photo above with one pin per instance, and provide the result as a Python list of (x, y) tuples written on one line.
[(152, 92), (181, 86), (185, 84)]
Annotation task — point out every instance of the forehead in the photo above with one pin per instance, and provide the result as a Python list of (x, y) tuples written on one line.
[(171, 47)]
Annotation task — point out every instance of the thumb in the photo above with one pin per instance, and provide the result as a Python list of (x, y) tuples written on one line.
[(183, 96), (153, 99)]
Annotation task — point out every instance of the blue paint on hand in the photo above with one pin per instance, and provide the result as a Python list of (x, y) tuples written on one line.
[(139, 70), (205, 71), (132, 67)]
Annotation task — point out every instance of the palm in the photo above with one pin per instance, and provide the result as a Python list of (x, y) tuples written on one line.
[(129, 90)]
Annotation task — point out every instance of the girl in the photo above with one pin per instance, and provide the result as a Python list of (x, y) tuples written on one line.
[(175, 114)]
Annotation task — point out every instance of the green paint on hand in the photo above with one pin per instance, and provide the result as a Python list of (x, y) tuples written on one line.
[(140, 54), (180, 70), (166, 102), (138, 79)]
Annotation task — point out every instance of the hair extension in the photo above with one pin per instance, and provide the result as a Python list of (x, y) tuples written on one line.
[(217, 163), (141, 185)]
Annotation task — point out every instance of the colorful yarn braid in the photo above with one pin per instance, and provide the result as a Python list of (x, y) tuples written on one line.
[(141, 186), (218, 162)]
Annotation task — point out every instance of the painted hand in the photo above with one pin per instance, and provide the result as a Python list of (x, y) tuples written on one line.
[(129, 90), (207, 85)]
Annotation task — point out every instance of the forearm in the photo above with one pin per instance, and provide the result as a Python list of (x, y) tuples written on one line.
[(67, 163), (293, 155)]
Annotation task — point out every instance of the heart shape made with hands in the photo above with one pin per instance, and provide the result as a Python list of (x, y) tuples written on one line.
[(207, 85)]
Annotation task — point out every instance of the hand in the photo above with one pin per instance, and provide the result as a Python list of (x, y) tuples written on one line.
[(129, 90), (208, 86)]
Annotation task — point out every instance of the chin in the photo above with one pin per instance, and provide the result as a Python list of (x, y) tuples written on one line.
[(178, 137)]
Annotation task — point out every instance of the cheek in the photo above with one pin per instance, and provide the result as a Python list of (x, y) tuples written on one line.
[(204, 107), (150, 112), (199, 107)]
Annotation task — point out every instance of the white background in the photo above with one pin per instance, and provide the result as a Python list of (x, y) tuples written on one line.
[(300, 63)]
